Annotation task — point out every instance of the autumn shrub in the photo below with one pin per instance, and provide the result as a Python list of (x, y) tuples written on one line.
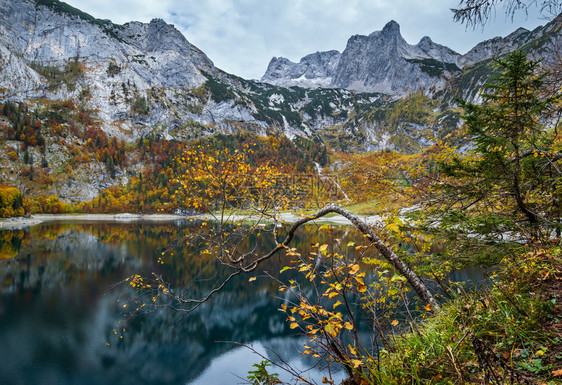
[(10, 243), (11, 202), (49, 205)]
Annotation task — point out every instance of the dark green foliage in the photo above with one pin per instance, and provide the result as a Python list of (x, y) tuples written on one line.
[(140, 105), (261, 376), (68, 75), (110, 166), (314, 151), (113, 69), (434, 67), (220, 91), (509, 183)]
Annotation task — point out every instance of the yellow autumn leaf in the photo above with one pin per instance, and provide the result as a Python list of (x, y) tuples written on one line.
[(353, 269), (394, 323), (323, 247), (394, 227), (331, 330), (252, 279), (348, 325), (294, 325), (356, 363), (361, 288)]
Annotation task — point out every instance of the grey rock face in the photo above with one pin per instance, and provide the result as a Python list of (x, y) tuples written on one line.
[(436, 51), (381, 62), (154, 61), (16, 79), (495, 47), (43, 35), (314, 70), (551, 43), (385, 62)]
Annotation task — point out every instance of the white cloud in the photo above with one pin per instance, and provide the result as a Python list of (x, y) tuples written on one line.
[(241, 36)]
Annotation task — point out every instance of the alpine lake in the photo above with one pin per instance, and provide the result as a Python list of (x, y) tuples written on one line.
[(65, 307)]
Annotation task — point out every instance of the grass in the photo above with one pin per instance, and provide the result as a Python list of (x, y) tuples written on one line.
[(510, 332), (369, 207)]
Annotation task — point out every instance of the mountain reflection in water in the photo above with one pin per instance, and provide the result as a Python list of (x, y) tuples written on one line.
[(61, 304), (62, 308)]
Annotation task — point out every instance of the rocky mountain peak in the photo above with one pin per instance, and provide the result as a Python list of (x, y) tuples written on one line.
[(391, 28), (495, 47), (380, 62), (425, 42), (314, 70), (161, 36)]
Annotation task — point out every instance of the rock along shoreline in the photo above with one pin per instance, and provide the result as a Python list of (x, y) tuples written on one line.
[(17, 223)]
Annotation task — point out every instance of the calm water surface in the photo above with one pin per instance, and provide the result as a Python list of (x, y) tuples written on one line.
[(62, 314), (61, 305)]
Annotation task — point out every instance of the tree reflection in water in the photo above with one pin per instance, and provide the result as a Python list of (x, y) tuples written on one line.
[(60, 307)]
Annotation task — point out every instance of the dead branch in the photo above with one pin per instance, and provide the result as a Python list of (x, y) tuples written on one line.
[(414, 280)]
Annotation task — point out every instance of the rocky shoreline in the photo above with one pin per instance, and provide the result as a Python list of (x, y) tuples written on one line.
[(33, 220), (23, 222)]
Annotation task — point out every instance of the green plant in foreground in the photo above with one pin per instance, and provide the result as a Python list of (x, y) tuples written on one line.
[(501, 335), (261, 376)]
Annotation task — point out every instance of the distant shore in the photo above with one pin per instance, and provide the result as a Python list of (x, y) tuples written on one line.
[(24, 222)]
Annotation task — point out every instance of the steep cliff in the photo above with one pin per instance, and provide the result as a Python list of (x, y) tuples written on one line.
[(381, 62)]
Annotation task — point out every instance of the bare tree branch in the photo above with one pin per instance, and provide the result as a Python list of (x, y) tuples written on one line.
[(413, 279), (478, 12)]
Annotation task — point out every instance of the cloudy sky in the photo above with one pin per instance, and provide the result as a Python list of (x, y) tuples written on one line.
[(241, 36)]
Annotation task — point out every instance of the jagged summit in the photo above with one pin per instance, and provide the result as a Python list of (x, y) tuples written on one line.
[(384, 62), (391, 28), (314, 70), (380, 62)]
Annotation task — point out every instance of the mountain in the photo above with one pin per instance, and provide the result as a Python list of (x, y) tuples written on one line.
[(86, 104), (151, 63), (147, 78), (384, 62), (381, 62), (314, 70)]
